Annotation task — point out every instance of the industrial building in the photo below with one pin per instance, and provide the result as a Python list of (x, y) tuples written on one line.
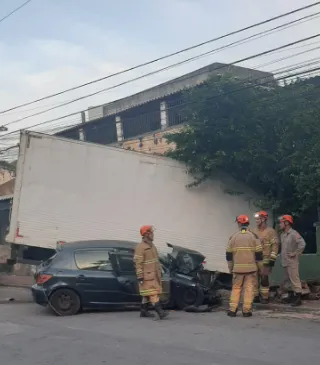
[(154, 110)]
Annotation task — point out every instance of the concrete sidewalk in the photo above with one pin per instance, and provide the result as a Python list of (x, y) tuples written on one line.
[(308, 306), (9, 294)]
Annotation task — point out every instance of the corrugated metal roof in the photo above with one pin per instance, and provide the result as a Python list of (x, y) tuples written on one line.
[(5, 197), (177, 85), (171, 87)]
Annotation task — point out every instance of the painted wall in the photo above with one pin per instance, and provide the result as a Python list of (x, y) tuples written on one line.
[(153, 143), (5, 176)]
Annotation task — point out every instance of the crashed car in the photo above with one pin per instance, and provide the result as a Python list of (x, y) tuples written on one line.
[(101, 274)]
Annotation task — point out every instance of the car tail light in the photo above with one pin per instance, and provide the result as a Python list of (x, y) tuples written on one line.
[(204, 262), (59, 245), (43, 278)]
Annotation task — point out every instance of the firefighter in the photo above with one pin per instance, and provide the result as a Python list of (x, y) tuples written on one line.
[(244, 255), (292, 246), (148, 271), (270, 247)]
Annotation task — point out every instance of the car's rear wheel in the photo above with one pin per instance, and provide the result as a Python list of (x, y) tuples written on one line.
[(65, 302), (189, 296)]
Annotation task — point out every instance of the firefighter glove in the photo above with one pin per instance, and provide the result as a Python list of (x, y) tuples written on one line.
[(271, 263)]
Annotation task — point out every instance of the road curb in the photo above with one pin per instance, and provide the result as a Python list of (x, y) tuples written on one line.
[(286, 308), (15, 286), (16, 302)]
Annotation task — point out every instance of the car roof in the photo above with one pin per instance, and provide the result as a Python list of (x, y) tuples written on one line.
[(71, 246)]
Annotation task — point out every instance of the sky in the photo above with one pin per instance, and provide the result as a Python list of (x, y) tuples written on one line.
[(51, 45)]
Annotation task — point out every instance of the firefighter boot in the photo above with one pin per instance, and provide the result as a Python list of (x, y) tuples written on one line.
[(144, 313), (264, 301), (247, 314), (296, 300), (161, 313), (256, 299), (231, 314)]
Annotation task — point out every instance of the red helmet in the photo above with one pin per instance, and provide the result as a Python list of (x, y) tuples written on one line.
[(145, 229), (286, 218), (242, 219), (261, 214)]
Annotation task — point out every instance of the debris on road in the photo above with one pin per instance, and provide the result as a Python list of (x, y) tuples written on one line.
[(200, 309), (15, 295), (289, 314), (313, 296)]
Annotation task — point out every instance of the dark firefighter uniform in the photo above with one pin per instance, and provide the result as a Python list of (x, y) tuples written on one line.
[(243, 254)]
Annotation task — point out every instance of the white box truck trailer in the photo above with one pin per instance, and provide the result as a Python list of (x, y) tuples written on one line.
[(69, 190)]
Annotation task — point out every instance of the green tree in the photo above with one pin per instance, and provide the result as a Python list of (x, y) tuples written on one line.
[(267, 138), (10, 166)]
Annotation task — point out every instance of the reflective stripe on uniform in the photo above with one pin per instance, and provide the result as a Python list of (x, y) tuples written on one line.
[(149, 262), (252, 249), (249, 267), (258, 248), (273, 256), (149, 292)]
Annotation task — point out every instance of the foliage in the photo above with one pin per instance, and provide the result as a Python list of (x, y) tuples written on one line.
[(10, 166), (265, 137)]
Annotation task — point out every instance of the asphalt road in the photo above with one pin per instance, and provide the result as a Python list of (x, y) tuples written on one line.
[(29, 335)]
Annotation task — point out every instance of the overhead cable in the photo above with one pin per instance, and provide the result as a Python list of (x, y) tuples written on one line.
[(166, 56)]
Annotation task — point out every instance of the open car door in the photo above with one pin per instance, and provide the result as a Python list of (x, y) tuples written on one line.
[(124, 268)]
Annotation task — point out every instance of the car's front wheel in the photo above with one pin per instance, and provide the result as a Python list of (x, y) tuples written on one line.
[(65, 302), (186, 297)]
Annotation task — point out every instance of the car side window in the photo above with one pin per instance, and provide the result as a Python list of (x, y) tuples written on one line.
[(96, 260), (126, 263)]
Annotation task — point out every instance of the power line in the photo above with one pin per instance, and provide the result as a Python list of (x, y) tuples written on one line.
[(255, 68), (9, 148), (15, 10), (251, 85), (298, 65), (182, 104), (261, 101), (232, 44), (10, 155), (272, 100), (302, 46), (303, 64), (30, 109), (285, 69), (166, 56), (262, 65), (187, 103), (287, 57), (154, 72)]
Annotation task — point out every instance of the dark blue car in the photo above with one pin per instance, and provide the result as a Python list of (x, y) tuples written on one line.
[(100, 274)]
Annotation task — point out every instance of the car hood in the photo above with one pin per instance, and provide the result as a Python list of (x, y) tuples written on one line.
[(184, 260)]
